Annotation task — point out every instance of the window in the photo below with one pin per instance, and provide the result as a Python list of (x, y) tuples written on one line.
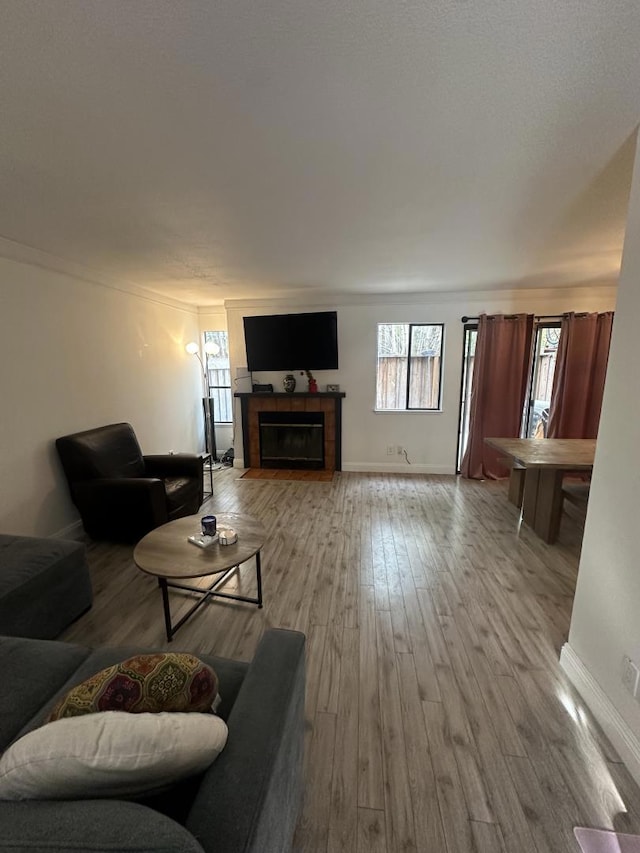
[(468, 358), (536, 414), (219, 375), (409, 367), (538, 400)]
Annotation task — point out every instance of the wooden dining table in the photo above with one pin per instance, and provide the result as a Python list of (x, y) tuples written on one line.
[(538, 466)]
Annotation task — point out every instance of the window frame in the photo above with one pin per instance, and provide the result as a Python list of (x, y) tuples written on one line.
[(530, 399), (409, 357), (210, 387)]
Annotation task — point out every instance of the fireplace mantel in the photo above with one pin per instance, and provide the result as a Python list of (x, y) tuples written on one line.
[(328, 402)]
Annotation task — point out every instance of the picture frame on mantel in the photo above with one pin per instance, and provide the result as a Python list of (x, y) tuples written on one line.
[(333, 388)]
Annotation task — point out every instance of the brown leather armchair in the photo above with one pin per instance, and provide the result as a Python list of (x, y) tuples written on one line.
[(122, 495)]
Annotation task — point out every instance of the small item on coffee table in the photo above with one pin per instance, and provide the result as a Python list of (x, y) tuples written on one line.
[(227, 536), (167, 554), (202, 541), (208, 523)]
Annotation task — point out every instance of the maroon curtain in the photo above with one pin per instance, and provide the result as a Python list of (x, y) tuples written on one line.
[(500, 376), (578, 381)]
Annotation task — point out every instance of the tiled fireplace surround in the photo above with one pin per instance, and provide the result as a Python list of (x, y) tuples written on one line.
[(329, 403)]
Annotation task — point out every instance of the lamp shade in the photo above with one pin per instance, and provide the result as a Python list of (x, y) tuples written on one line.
[(211, 348), (192, 347)]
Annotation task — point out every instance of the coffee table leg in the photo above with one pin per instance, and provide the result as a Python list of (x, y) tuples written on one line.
[(259, 579), (167, 611)]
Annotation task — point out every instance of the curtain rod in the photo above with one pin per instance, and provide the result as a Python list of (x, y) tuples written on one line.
[(513, 316)]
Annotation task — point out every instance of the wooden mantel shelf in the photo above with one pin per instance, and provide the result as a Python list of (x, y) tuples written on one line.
[(252, 403), (290, 394)]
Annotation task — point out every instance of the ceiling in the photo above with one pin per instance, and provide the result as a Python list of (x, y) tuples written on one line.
[(220, 149)]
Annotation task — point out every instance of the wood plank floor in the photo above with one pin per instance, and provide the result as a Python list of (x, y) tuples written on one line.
[(438, 716)]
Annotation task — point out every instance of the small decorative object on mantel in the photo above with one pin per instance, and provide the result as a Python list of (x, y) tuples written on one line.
[(313, 385), (334, 388), (289, 383)]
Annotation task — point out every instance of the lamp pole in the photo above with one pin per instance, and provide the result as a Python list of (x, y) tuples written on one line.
[(207, 401)]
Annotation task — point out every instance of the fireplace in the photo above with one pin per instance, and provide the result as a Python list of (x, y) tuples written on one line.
[(314, 417), (291, 440)]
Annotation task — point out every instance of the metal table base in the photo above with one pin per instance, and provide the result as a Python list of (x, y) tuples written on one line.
[(206, 593)]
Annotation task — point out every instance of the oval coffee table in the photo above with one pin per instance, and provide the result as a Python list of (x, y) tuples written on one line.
[(166, 554)]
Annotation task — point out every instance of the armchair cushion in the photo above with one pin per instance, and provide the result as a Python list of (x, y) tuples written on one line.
[(173, 465), (108, 451), (181, 493)]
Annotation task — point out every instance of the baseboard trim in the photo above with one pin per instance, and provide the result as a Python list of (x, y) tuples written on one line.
[(71, 531), (395, 468), (380, 468), (614, 725)]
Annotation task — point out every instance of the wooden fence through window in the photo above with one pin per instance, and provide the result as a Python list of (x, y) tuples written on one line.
[(392, 382)]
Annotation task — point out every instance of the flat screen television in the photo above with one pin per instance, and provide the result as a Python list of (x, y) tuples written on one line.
[(292, 341)]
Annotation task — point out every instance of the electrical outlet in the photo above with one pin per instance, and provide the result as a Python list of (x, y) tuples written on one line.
[(390, 449), (630, 676), (399, 450)]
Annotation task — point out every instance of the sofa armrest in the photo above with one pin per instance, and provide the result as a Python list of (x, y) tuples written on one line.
[(91, 826), (250, 797), (173, 465)]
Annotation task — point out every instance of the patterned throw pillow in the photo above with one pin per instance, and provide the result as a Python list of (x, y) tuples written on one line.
[(144, 683)]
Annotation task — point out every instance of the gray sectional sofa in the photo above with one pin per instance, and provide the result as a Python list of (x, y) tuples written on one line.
[(44, 585), (246, 802)]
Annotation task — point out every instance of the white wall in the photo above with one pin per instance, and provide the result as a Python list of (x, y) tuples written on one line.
[(605, 623), (429, 438), (77, 355)]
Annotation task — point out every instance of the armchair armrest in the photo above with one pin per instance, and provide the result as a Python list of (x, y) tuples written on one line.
[(250, 797), (173, 465), (96, 825)]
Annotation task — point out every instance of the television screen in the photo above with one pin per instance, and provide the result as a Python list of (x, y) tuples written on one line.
[(292, 341)]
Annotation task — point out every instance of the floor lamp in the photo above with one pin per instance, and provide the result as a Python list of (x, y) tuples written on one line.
[(210, 348)]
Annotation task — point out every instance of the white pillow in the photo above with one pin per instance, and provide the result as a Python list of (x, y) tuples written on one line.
[(108, 754)]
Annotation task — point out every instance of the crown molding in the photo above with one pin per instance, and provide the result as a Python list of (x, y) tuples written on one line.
[(21, 253), (217, 309), (605, 289), (18, 252)]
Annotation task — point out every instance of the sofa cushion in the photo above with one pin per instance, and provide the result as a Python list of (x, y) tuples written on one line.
[(144, 683), (90, 826), (44, 585), (110, 754), (33, 671), (231, 674)]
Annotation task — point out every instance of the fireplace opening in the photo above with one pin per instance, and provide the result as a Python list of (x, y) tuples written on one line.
[(291, 440)]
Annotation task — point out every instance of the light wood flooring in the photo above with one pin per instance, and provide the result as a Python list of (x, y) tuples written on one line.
[(438, 716)]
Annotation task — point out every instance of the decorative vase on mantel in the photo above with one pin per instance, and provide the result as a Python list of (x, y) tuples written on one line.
[(289, 383), (313, 385)]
